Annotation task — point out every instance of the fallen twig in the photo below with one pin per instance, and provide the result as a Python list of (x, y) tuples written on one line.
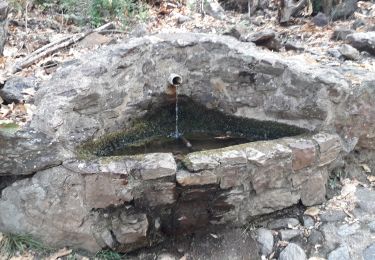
[(38, 54), (106, 26), (112, 32), (55, 46), (60, 253)]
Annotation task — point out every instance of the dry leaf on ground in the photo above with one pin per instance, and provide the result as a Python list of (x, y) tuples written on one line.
[(312, 211), (60, 253), (366, 168)]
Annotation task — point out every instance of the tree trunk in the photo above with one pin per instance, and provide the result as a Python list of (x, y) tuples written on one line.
[(242, 6), (3, 24), (338, 9), (335, 9), (289, 8)]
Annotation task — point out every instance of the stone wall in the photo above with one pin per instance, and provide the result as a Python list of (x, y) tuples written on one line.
[(127, 202)]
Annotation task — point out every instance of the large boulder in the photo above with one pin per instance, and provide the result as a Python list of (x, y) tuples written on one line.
[(15, 88), (363, 41)]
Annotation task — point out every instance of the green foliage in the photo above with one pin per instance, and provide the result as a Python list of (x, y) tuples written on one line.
[(335, 178), (125, 10), (98, 11), (11, 244), (17, 5), (108, 255), (71, 257), (69, 6), (317, 6), (44, 2)]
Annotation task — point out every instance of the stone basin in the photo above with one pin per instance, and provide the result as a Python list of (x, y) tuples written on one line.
[(126, 202), (68, 198), (202, 128)]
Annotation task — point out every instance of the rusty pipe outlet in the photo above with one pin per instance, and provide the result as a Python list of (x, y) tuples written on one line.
[(174, 79)]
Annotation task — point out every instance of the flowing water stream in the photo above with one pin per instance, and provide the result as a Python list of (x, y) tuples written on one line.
[(176, 134)]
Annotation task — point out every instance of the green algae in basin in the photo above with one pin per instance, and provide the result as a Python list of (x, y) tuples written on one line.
[(203, 128)]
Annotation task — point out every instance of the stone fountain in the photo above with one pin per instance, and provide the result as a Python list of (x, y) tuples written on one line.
[(70, 179)]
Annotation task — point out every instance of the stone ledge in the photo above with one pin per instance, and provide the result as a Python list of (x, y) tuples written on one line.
[(329, 147), (304, 154), (157, 165), (150, 166), (185, 178)]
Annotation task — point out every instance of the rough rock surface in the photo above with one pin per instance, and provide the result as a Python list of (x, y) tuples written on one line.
[(265, 241), (366, 200), (140, 196), (213, 8), (283, 223), (340, 253), (340, 33), (292, 252), (26, 151), (369, 253), (210, 7), (349, 52), (320, 20), (288, 234), (364, 41), (246, 66), (308, 222), (332, 215), (41, 206), (266, 38), (14, 87)]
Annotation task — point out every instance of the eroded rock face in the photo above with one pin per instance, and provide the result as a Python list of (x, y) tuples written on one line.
[(364, 41), (27, 151), (127, 202), (49, 206), (66, 205), (356, 122)]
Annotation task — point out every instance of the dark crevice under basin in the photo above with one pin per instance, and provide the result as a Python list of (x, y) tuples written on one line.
[(204, 128)]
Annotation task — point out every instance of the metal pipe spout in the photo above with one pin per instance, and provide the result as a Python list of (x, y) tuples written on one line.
[(174, 79)]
